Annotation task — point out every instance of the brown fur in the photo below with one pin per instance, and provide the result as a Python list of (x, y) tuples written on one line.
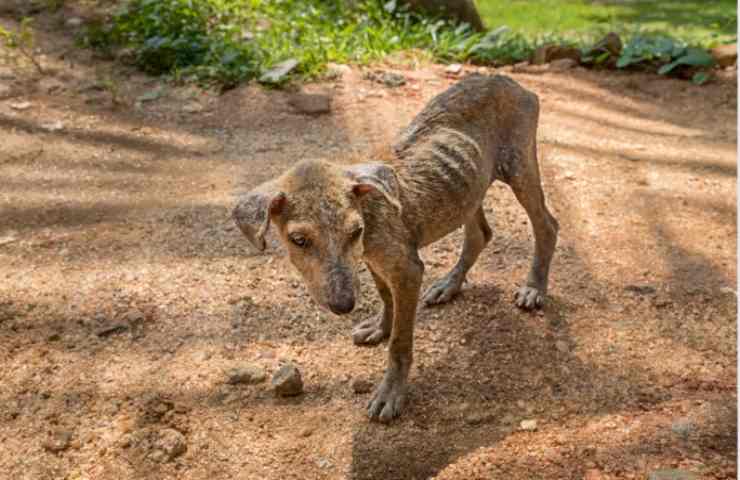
[(432, 181)]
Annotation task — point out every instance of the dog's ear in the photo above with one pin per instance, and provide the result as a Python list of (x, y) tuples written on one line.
[(375, 177), (253, 212)]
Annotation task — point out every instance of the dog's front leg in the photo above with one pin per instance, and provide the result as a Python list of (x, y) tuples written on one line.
[(404, 279)]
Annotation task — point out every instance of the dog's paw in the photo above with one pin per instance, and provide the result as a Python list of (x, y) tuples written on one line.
[(370, 332), (388, 401), (529, 298), (442, 291)]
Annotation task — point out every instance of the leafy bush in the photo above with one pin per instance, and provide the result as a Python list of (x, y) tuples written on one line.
[(231, 40), (169, 36), (664, 51)]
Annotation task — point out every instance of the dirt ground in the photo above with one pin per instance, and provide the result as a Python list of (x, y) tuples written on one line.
[(127, 294)]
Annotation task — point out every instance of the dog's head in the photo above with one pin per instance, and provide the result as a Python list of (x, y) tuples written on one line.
[(317, 209)]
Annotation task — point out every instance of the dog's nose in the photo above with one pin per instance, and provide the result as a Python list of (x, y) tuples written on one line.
[(342, 306)]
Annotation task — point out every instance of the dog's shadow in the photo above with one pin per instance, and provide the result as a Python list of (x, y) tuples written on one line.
[(470, 395)]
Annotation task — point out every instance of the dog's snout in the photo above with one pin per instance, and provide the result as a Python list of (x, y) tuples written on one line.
[(341, 294), (342, 305)]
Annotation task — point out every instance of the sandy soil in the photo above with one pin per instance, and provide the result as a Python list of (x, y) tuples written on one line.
[(127, 293)]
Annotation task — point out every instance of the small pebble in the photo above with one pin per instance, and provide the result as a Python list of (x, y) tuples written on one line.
[(528, 425), (249, 375), (287, 381)]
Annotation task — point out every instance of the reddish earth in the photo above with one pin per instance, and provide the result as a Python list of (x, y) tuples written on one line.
[(127, 293)]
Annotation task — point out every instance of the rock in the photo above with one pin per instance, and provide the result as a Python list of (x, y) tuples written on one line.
[(20, 106), (58, 441), (528, 425), (310, 103), (360, 386), (454, 69), (73, 22), (306, 432), (682, 427), (323, 463), (287, 381), (725, 55), (671, 474), (460, 10), (562, 64), (562, 346), (249, 375), (52, 127), (278, 73), (170, 444)]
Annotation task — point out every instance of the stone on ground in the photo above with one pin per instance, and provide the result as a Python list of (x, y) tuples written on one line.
[(287, 381), (249, 375)]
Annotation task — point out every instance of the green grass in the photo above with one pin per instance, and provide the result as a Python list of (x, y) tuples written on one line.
[(700, 23)]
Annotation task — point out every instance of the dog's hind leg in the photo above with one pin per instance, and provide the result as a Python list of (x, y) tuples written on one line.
[(477, 234)]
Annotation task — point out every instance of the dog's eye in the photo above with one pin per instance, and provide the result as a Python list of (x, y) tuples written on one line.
[(356, 234), (299, 240)]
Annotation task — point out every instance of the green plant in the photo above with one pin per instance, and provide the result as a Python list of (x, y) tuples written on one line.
[(22, 41), (666, 52), (226, 41), (173, 35), (641, 49)]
